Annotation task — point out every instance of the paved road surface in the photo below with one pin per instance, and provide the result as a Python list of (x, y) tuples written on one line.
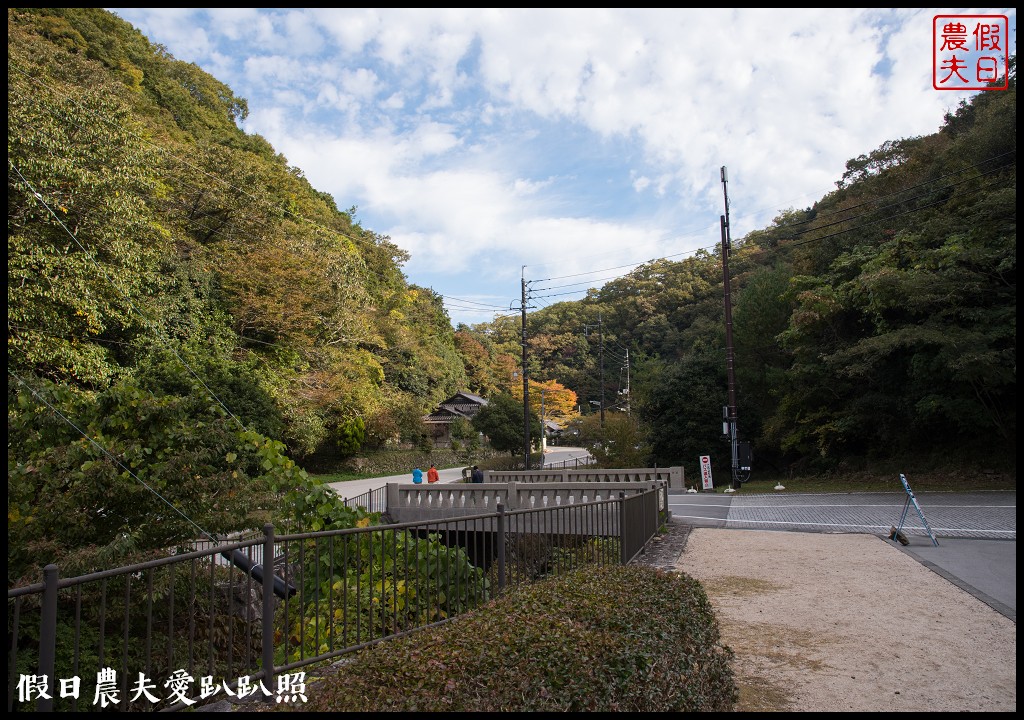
[(355, 488), (976, 532)]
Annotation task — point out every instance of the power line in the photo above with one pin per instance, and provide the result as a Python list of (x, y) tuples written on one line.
[(894, 205), (472, 302), (905, 212), (163, 151), (795, 224), (830, 224), (317, 226), (131, 305), (106, 452), (192, 223)]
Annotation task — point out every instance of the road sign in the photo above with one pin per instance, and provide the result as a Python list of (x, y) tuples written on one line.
[(705, 472)]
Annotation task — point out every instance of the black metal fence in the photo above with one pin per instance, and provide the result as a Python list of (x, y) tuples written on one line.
[(373, 501), (196, 627), (576, 462)]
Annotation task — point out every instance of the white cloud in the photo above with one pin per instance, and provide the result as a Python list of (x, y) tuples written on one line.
[(490, 138)]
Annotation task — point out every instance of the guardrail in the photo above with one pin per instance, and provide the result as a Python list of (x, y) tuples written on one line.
[(373, 501), (181, 630)]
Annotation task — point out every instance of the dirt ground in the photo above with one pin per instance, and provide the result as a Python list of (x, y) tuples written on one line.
[(839, 623)]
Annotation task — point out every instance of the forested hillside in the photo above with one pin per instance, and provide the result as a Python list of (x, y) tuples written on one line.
[(184, 298), (877, 325), (190, 322)]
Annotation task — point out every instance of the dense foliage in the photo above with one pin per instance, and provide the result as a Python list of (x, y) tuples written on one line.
[(502, 421), (377, 584), (600, 639), (175, 290), (190, 323), (877, 324)]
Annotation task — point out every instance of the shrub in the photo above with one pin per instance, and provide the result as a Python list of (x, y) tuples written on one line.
[(600, 639), (381, 583)]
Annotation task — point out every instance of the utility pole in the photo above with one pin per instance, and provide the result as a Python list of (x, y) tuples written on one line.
[(543, 428), (628, 399), (586, 330), (730, 411), (600, 322), (526, 386)]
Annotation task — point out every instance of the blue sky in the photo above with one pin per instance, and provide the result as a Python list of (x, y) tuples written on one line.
[(565, 145)]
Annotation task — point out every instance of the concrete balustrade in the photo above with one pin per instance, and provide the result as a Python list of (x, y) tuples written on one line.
[(407, 502), (673, 476)]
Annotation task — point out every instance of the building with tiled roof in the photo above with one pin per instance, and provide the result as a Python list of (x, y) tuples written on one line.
[(460, 405)]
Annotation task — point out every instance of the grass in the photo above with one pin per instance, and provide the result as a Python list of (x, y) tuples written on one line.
[(342, 476)]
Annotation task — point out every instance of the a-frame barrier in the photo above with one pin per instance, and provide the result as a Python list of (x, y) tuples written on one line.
[(896, 533)]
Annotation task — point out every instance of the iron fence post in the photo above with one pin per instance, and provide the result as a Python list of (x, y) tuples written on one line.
[(268, 607), (48, 636), (501, 548), (656, 515), (622, 528)]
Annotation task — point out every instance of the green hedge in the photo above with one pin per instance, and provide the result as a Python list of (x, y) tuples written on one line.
[(609, 639)]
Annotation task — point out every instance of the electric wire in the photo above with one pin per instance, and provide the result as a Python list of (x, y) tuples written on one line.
[(110, 455), (131, 305), (905, 212), (894, 205), (317, 226), (873, 201), (164, 152)]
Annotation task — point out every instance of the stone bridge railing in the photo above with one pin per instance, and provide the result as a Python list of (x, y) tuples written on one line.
[(671, 476)]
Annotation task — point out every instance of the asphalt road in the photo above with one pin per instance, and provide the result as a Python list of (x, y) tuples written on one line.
[(975, 534), (355, 488)]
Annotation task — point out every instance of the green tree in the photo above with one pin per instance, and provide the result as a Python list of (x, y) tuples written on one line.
[(681, 402), (501, 422), (620, 443), (81, 242), (130, 471)]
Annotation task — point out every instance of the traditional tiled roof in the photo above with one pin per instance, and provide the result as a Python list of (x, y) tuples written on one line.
[(461, 404), (444, 415), (471, 397)]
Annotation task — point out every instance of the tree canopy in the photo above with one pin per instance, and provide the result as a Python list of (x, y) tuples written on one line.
[(185, 311), (170, 271)]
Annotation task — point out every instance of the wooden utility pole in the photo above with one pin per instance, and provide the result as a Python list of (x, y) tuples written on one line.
[(730, 413), (526, 387), (600, 322)]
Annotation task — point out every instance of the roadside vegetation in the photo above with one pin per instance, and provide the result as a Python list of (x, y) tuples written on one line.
[(187, 357), (600, 639), (880, 480)]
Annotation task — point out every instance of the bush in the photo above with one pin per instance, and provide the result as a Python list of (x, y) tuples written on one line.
[(601, 639)]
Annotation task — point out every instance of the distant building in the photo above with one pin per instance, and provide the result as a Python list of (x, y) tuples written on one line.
[(552, 431), (462, 405)]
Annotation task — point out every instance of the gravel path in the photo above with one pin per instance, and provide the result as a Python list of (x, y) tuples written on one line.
[(846, 622)]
